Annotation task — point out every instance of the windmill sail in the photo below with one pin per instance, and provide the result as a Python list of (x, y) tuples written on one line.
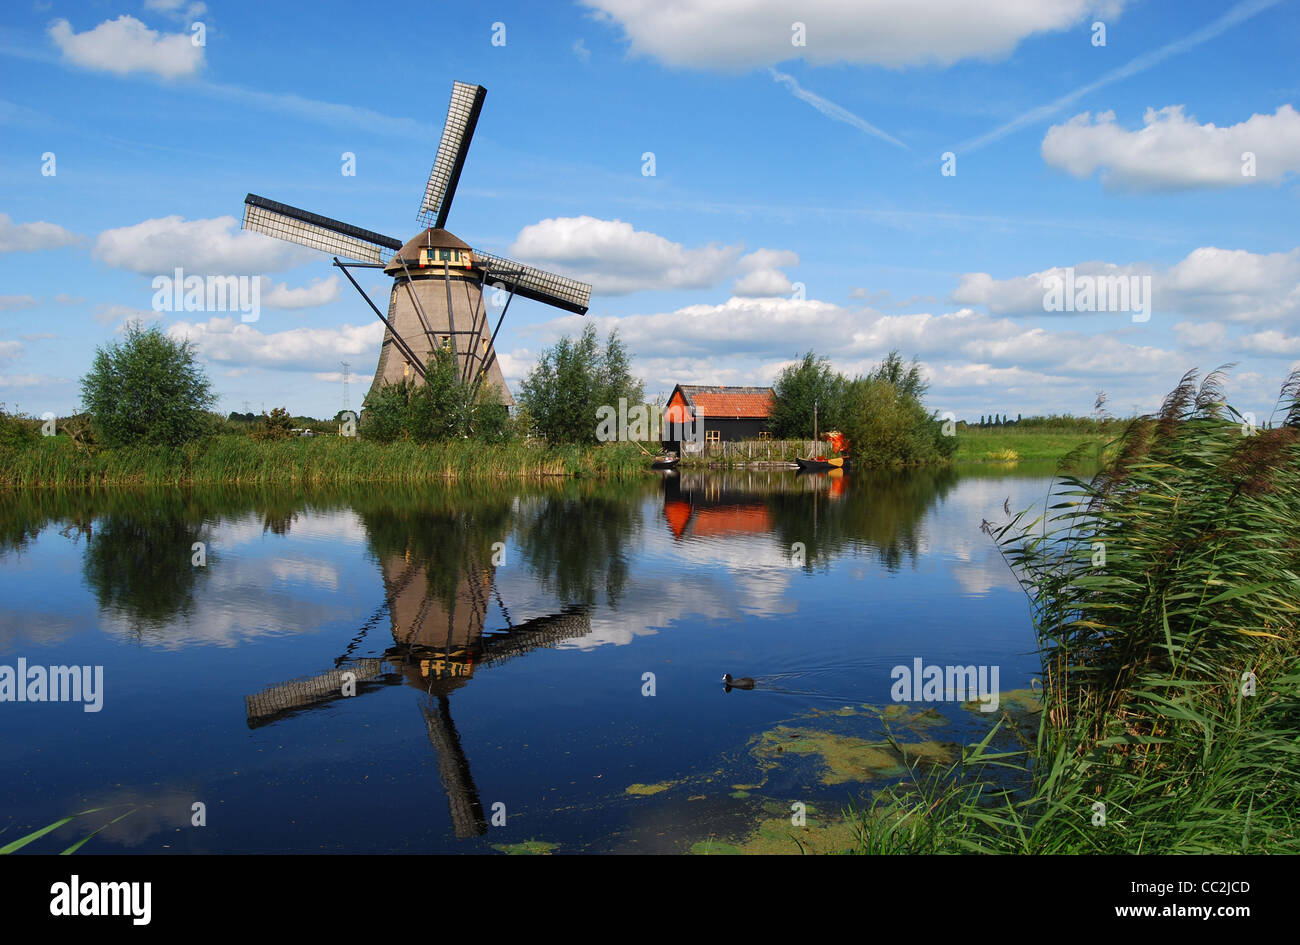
[(311, 229), (532, 283), (462, 116)]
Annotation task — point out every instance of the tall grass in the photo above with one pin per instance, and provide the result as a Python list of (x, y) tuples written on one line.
[(1171, 708), (231, 460)]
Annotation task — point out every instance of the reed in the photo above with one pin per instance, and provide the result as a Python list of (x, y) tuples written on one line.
[(1164, 592), (55, 462)]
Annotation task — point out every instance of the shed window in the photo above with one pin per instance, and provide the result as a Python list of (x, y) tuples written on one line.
[(712, 436)]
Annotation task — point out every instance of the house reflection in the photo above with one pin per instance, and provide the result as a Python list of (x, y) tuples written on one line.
[(828, 514)]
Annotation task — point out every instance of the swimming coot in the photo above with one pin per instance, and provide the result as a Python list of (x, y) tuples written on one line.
[(744, 682)]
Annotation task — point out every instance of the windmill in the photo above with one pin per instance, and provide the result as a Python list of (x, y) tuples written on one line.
[(438, 280)]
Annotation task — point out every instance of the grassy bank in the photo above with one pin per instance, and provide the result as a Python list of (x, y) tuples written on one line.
[(1008, 444), (1164, 593), (974, 445), (232, 459)]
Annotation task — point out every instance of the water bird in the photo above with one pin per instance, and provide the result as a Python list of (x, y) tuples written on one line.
[(744, 682)]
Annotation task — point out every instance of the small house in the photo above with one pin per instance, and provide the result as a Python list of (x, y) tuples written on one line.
[(726, 414)]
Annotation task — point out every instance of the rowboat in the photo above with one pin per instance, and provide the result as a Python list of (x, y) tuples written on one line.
[(837, 462), (665, 461)]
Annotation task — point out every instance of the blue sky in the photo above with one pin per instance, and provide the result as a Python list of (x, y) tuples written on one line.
[(798, 198)]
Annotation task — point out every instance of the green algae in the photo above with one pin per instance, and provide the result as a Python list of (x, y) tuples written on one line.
[(645, 790), (527, 848), (846, 758), (1014, 701), (777, 835)]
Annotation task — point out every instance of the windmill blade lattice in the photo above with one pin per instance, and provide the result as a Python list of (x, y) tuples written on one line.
[(311, 229), (533, 283), (462, 116)]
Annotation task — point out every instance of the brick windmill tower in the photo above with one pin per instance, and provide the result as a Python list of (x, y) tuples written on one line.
[(438, 279)]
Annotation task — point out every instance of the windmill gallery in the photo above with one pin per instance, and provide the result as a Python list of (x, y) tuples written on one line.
[(437, 296)]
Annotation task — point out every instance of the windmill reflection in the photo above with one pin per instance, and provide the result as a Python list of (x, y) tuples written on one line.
[(440, 643)]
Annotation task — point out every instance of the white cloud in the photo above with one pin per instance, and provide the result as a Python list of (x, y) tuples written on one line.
[(1173, 152), (833, 111), (126, 45), (1140, 63), (1270, 344), (975, 361), (28, 380), (1232, 284), (107, 314), (706, 34), (63, 298), (209, 246), (320, 292), (29, 237), (177, 9), (229, 341), (581, 51), (15, 303), (10, 350), (1213, 335), (761, 275), (767, 259), (327, 113), (617, 258), (762, 282)]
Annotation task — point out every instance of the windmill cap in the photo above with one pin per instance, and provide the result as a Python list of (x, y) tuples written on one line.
[(432, 238)]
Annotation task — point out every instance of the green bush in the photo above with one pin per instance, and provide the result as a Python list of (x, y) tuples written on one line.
[(17, 432), (798, 388), (439, 409), (571, 380), (147, 389), (885, 421), (277, 425)]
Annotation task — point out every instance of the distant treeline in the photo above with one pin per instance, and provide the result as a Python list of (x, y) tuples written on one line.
[(1054, 421)]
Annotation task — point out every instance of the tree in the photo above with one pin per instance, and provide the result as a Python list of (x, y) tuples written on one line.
[(886, 422), (907, 380), (277, 425), (439, 409), (571, 380), (798, 387), (147, 389)]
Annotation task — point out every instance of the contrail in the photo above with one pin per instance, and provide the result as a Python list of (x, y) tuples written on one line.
[(1238, 14), (831, 110)]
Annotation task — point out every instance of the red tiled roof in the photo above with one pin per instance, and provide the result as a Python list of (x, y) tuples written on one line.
[(738, 402)]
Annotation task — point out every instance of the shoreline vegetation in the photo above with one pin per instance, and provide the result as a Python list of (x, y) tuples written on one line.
[(1163, 593), (234, 460), (240, 459)]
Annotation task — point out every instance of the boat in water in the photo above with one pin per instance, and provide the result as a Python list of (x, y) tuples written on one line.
[(838, 443), (835, 462)]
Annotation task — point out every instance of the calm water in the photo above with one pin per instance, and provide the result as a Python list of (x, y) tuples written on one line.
[(500, 640)]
